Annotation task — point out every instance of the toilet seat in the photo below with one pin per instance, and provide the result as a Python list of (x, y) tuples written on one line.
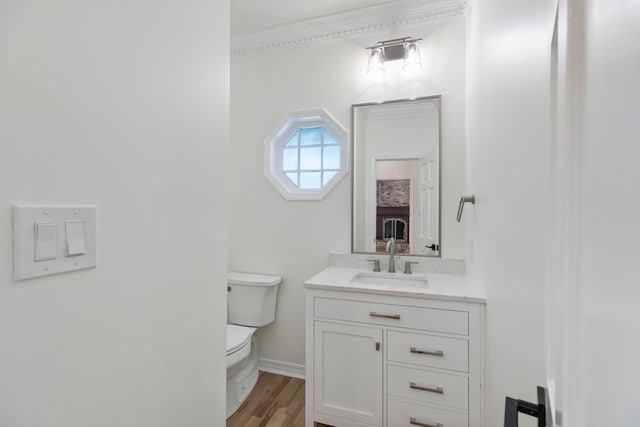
[(238, 343)]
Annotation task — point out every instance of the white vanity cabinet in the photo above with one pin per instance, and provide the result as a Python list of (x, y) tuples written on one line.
[(388, 360)]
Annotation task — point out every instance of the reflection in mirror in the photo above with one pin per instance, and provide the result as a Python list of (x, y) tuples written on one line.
[(396, 176)]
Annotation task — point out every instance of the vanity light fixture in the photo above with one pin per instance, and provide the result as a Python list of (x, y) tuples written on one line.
[(405, 48)]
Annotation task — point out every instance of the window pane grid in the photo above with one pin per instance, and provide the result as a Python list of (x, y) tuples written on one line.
[(314, 148)]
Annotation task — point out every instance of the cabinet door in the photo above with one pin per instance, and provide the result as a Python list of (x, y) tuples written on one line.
[(348, 372)]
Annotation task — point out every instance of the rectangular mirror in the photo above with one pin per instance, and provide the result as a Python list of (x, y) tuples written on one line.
[(396, 176)]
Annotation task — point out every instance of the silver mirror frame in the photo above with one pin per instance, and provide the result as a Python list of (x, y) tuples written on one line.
[(353, 172)]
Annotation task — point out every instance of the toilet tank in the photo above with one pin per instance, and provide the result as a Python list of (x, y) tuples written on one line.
[(251, 298)]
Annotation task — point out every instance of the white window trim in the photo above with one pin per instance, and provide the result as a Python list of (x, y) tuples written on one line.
[(280, 135)]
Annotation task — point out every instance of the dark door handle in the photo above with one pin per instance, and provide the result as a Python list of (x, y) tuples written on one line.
[(433, 247), (539, 410)]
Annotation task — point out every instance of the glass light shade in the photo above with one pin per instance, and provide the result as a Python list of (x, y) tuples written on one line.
[(412, 60), (376, 62)]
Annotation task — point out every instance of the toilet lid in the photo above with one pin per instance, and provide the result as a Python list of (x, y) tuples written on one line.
[(238, 337), (251, 279)]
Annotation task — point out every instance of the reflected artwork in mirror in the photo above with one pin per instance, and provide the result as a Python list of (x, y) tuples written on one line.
[(396, 176)]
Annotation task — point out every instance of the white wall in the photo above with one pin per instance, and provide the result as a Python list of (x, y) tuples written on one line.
[(592, 292), (271, 235), (599, 382), (124, 105), (508, 161)]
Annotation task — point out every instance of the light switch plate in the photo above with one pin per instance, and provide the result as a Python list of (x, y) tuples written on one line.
[(27, 263)]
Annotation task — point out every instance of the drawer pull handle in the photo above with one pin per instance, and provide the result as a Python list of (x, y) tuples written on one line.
[(436, 389), (439, 353), (415, 422), (386, 316)]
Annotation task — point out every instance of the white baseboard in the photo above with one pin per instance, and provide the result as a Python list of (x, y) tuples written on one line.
[(281, 368)]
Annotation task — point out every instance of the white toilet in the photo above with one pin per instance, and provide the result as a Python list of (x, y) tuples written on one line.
[(251, 303)]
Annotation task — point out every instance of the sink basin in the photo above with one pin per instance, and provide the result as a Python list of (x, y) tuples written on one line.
[(389, 280)]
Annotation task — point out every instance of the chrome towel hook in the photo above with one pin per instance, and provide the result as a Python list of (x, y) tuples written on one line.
[(465, 199)]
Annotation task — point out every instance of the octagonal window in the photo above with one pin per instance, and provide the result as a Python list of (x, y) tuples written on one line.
[(306, 155)]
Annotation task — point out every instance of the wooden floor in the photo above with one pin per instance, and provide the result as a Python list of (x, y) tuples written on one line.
[(276, 401)]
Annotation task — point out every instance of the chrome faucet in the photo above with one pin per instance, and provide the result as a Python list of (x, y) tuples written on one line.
[(391, 248)]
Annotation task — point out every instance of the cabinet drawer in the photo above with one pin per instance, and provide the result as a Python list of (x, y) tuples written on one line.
[(428, 350), (429, 319), (402, 414), (428, 387)]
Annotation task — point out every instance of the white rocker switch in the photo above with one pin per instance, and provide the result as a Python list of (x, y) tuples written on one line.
[(75, 244), (45, 241)]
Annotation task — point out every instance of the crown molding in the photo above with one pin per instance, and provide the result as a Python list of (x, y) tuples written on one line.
[(370, 20)]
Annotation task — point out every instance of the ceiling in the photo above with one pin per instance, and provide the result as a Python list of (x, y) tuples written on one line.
[(261, 25), (250, 16)]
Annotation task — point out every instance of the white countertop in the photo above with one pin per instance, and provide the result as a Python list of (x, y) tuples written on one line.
[(450, 287)]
